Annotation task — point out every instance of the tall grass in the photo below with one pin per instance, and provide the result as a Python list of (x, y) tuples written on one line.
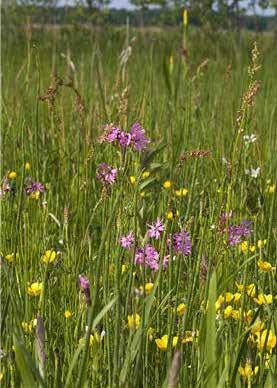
[(60, 88)]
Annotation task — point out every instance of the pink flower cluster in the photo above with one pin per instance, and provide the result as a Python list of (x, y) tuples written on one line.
[(106, 174), (135, 138), (148, 255)]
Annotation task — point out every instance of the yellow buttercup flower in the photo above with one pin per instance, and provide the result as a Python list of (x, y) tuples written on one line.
[(244, 246), (170, 215), (123, 268), (27, 166), (247, 372), (252, 248), (265, 266), (145, 174), (133, 321), (167, 185), (49, 256), (162, 343), (181, 308), (9, 257), (12, 175), (142, 194), (133, 180), (147, 288), (266, 339), (261, 243), (67, 314), (181, 192), (35, 289), (264, 299)]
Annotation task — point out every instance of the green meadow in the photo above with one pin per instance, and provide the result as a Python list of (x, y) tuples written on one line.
[(157, 268)]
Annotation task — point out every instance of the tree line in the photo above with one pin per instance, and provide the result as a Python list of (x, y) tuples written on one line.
[(227, 14)]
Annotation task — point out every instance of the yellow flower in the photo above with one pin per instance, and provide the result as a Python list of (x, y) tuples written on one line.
[(185, 18), (252, 248), (257, 327), (247, 371), (123, 268), (219, 302), (9, 257), (184, 192), (147, 288), (35, 289), (235, 314), (133, 321), (145, 174), (261, 243), (49, 256), (27, 166), (270, 189), (29, 326), (171, 215), (35, 195), (94, 339), (162, 343), (236, 296), (12, 175), (67, 314), (264, 299), (228, 311), (266, 338), (247, 316), (167, 184), (181, 309), (265, 266), (142, 194), (133, 180), (244, 246), (181, 192), (228, 297), (251, 290)]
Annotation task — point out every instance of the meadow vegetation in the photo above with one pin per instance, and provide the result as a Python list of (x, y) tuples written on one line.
[(138, 208)]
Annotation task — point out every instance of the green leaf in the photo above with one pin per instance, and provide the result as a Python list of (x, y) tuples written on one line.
[(26, 365), (210, 341)]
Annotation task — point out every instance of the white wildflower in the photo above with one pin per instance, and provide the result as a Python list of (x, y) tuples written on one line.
[(253, 172)]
